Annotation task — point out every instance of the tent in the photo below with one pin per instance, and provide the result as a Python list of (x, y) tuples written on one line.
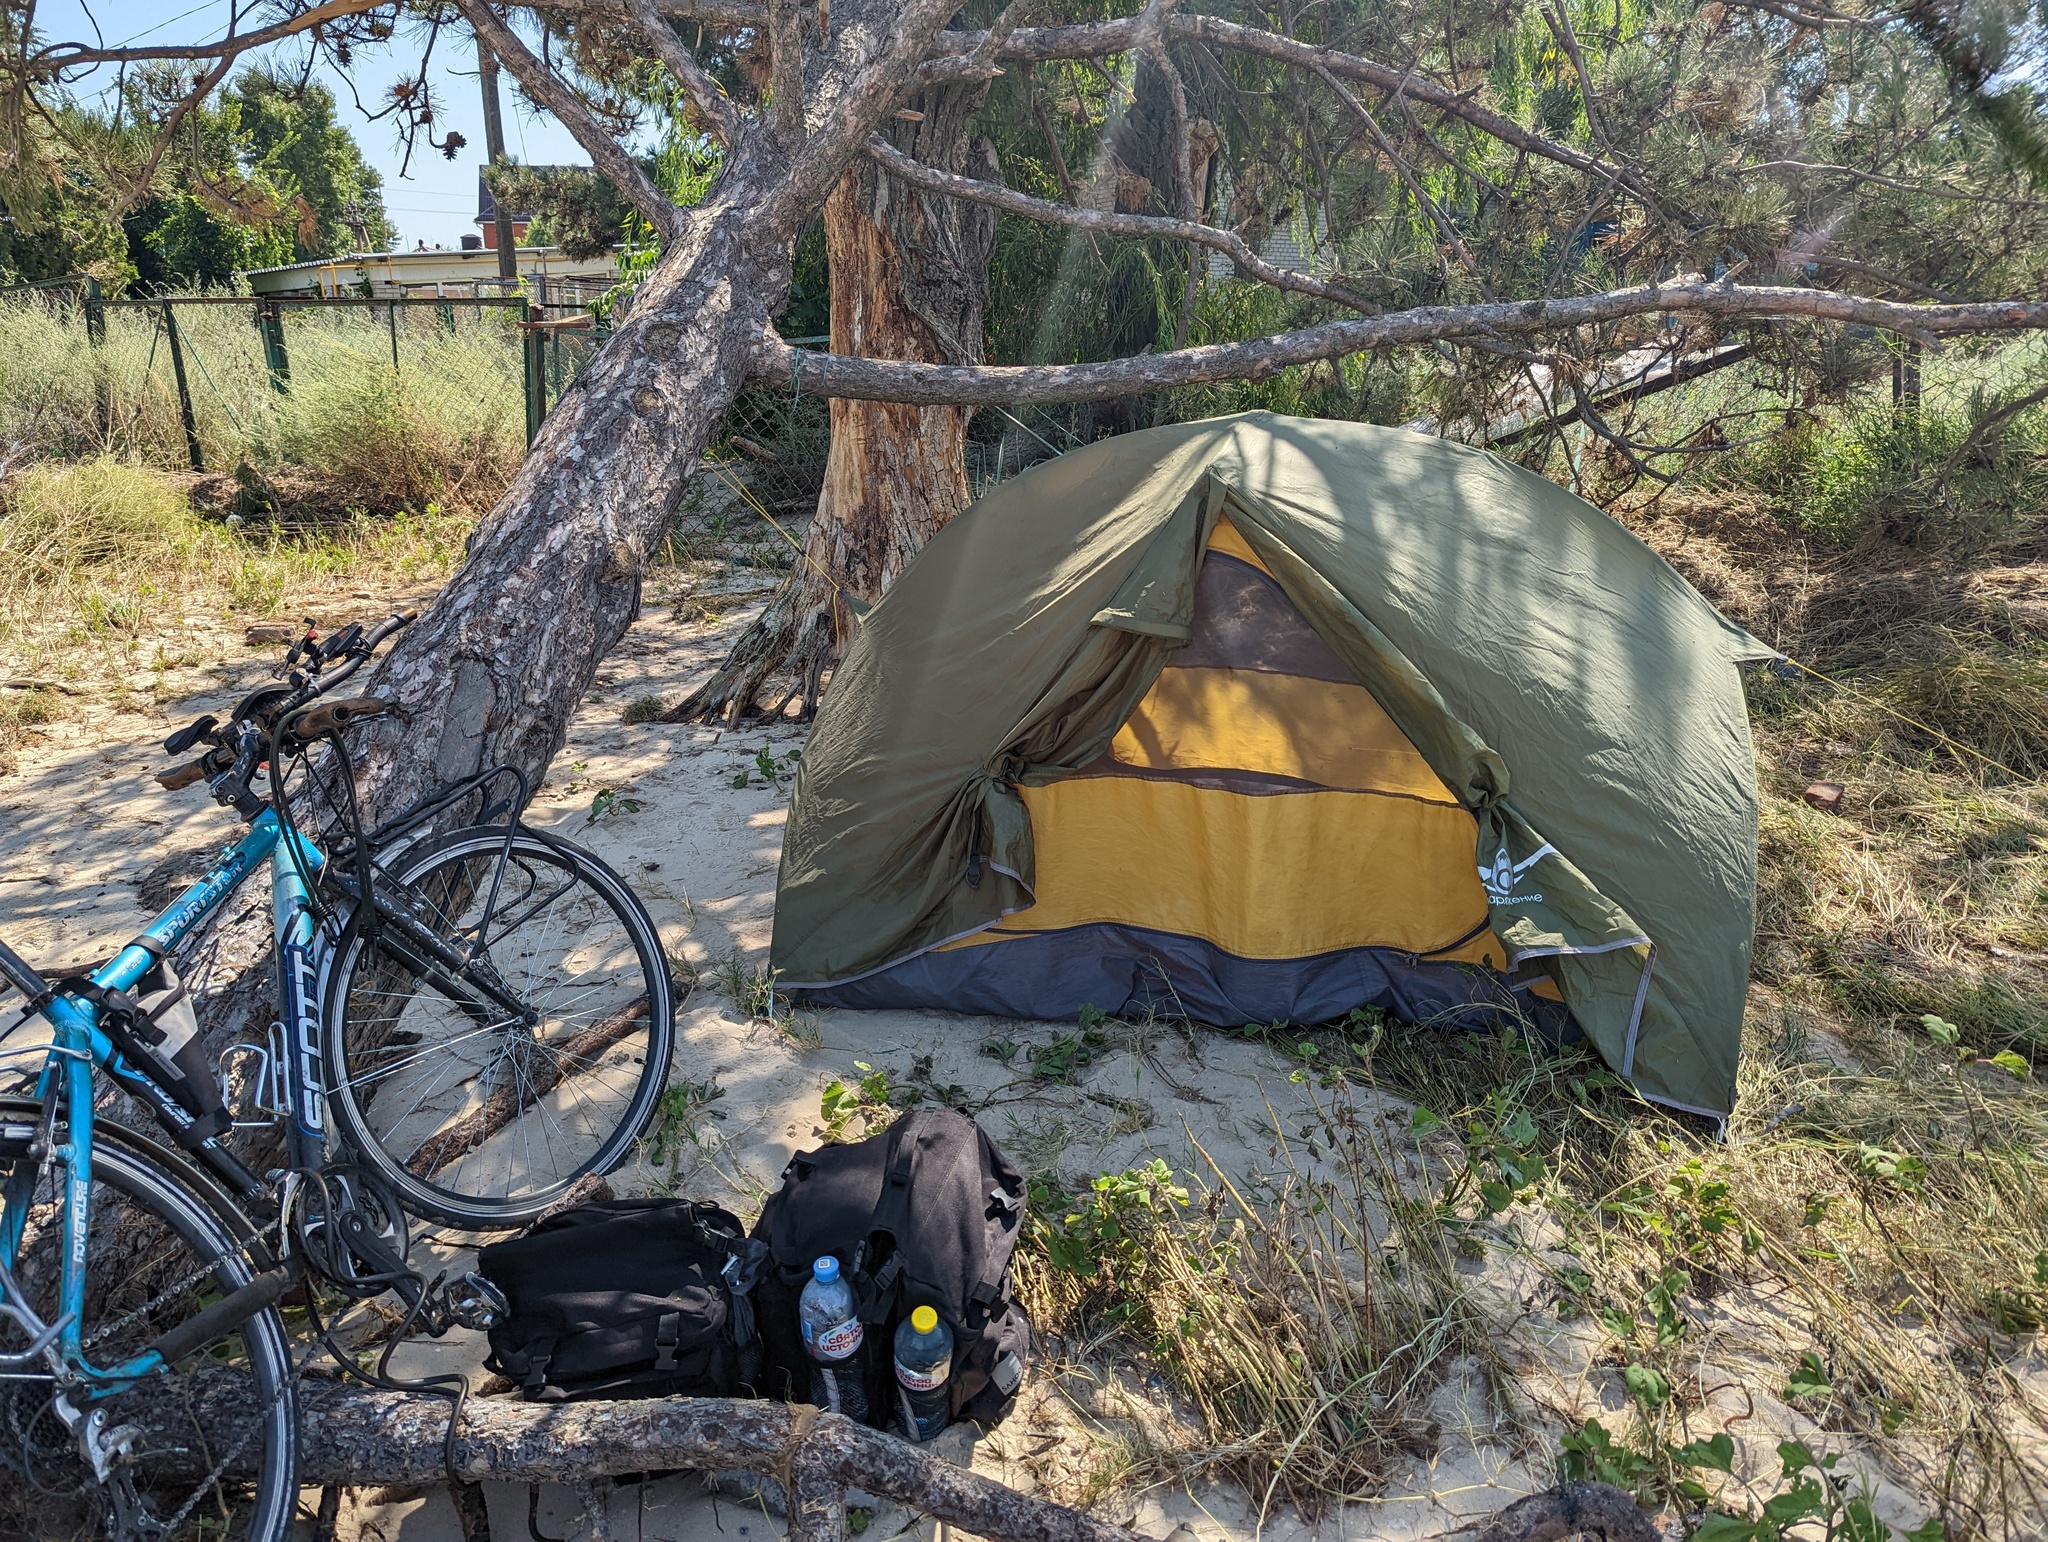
[(1264, 718)]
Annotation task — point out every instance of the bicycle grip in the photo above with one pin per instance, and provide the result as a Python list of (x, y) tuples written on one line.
[(179, 777), (332, 715), (224, 1316)]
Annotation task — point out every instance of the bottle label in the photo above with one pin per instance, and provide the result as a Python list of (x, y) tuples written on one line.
[(837, 1341), (922, 1381)]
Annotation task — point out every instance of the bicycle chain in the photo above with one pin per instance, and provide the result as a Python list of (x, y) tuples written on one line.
[(171, 1526)]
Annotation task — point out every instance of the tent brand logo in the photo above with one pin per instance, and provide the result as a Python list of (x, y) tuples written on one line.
[(1501, 878)]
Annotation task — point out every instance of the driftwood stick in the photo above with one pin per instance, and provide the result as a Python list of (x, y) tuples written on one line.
[(354, 1435), (358, 1436), (506, 1103)]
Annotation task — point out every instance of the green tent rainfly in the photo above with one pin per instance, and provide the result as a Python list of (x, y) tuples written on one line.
[(1266, 717)]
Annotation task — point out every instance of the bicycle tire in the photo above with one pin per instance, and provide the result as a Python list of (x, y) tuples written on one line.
[(462, 1150), (156, 1255)]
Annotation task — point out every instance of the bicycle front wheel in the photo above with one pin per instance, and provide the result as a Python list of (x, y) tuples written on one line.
[(203, 1448), (483, 1110)]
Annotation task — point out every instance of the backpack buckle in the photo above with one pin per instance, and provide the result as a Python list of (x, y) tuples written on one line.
[(668, 1333), (537, 1373)]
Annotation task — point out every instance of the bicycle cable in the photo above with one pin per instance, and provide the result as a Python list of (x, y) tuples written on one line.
[(453, 1386)]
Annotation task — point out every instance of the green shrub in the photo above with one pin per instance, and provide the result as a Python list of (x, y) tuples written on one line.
[(1918, 475)]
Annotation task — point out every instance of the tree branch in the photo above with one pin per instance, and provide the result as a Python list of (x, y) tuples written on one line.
[(139, 183), (721, 118), (982, 385), (350, 1435), (1406, 173), (553, 93), (1094, 39), (786, 73), (63, 56), (872, 60), (1142, 227)]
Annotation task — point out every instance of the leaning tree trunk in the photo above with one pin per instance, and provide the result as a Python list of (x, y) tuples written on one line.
[(909, 278), (490, 674)]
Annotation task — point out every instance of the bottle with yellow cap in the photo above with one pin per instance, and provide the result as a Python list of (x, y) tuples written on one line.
[(924, 1359)]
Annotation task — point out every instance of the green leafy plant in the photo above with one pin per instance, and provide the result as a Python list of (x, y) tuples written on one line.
[(1810, 1378), (679, 1114), (867, 1099), (610, 803), (771, 771), (1067, 1056), (1101, 1231)]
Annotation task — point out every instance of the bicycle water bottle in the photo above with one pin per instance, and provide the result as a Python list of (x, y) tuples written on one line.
[(924, 1359), (832, 1335)]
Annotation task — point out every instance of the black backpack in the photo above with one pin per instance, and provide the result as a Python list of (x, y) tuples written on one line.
[(926, 1213), (627, 1298)]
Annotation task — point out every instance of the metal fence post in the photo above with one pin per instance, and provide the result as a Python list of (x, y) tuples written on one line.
[(184, 389), (532, 342), (95, 340), (270, 325)]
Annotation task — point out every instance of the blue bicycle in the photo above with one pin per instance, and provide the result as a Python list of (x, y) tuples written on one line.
[(468, 1022)]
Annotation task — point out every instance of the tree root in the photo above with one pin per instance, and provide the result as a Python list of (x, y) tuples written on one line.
[(794, 632)]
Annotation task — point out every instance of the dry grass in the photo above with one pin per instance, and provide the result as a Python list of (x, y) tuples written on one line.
[(103, 563), (1298, 1329), (444, 426)]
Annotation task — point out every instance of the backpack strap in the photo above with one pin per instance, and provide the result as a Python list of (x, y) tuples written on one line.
[(668, 1332), (891, 1211)]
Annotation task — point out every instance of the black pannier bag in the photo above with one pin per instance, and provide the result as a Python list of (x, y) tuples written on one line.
[(926, 1213), (624, 1298)]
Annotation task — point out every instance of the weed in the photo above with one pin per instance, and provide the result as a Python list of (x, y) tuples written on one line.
[(610, 803), (768, 768), (1068, 1055), (1107, 1227), (22, 710), (751, 987), (642, 709), (867, 1100), (679, 1114)]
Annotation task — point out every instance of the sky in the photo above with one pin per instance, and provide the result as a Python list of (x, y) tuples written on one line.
[(435, 201)]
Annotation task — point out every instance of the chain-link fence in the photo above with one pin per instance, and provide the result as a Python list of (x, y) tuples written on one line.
[(394, 401)]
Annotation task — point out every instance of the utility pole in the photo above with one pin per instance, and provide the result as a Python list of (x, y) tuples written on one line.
[(494, 147)]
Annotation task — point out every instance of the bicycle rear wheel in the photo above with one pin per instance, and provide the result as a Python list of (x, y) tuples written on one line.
[(213, 1451), (481, 1118)]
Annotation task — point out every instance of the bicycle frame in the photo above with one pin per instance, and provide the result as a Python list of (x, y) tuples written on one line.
[(79, 1046)]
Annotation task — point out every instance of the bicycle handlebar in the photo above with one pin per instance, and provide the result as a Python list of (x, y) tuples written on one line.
[(240, 744)]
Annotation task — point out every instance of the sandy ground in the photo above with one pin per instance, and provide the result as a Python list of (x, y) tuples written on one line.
[(82, 825)]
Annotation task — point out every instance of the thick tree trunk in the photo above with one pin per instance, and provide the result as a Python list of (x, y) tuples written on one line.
[(909, 274)]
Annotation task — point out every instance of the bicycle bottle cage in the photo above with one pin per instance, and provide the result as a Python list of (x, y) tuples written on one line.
[(262, 1083)]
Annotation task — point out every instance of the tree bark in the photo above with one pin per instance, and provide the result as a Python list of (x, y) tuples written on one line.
[(909, 280)]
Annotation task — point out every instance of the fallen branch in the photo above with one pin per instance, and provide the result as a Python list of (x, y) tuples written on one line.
[(508, 1102), (964, 385), (349, 1435)]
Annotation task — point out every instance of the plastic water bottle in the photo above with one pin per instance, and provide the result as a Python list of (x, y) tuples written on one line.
[(832, 1335), (924, 1359)]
